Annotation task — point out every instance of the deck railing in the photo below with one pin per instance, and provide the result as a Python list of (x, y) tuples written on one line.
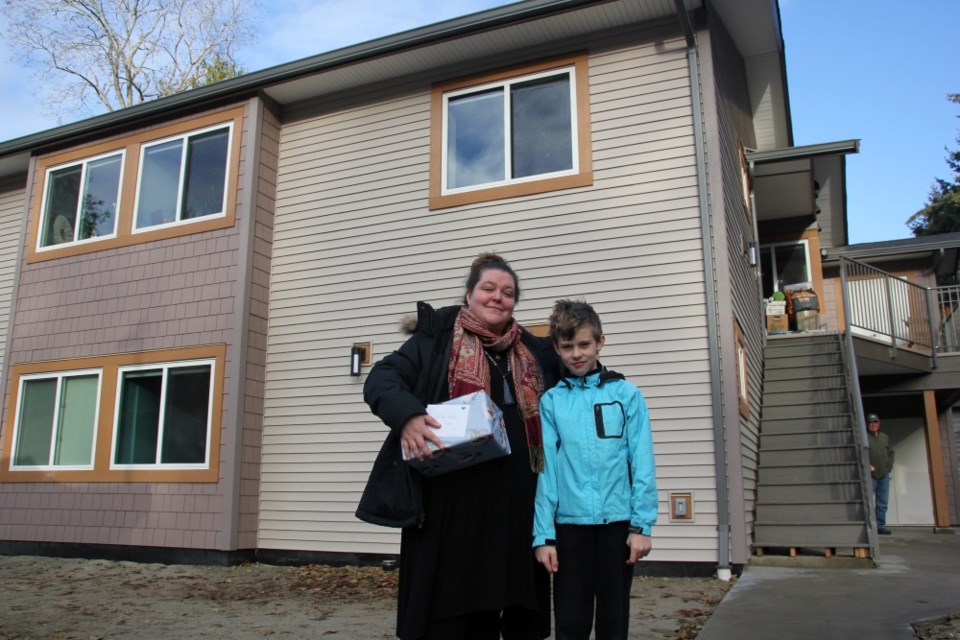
[(948, 324), (895, 310)]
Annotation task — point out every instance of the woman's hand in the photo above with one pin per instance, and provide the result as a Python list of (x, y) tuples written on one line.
[(640, 546), (547, 556), (415, 434)]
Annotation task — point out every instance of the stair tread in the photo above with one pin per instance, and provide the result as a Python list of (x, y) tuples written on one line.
[(808, 447), (806, 417), (807, 523), (808, 483), (801, 502)]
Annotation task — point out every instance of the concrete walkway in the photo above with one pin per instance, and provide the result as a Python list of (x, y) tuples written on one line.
[(916, 578)]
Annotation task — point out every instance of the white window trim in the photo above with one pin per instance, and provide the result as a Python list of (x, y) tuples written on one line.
[(508, 167), (165, 366), (134, 229), (84, 163), (742, 391), (59, 375), (806, 257)]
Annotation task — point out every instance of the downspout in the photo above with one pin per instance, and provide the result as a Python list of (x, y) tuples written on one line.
[(713, 333)]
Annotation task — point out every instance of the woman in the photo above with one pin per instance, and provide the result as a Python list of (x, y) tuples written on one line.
[(466, 568)]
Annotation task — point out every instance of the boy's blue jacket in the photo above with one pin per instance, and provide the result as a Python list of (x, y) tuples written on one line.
[(598, 456)]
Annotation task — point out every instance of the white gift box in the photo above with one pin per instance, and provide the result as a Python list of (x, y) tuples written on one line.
[(472, 432)]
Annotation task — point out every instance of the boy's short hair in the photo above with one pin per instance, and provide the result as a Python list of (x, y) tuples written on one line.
[(567, 318)]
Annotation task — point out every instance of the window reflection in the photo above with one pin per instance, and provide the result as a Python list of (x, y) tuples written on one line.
[(486, 144), (183, 179), (159, 184), (81, 201), (542, 140), (475, 131)]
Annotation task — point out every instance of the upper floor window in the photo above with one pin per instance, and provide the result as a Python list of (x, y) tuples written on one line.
[(743, 369), (56, 423), (157, 183), (783, 264), (511, 133), (183, 178), (80, 201)]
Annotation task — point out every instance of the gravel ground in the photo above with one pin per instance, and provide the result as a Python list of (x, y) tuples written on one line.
[(74, 599)]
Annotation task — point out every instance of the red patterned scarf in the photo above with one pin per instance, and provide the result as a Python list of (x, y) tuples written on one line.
[(470, 372)]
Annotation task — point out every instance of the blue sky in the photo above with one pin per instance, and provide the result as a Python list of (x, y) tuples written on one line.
[(879, 72)]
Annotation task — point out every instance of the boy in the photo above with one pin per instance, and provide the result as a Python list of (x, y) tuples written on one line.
[(597, 497)]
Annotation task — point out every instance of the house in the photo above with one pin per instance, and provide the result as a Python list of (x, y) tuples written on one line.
[(184, 283), (884, 341)]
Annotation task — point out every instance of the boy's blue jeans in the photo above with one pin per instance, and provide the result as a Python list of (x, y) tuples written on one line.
[(881, 493)]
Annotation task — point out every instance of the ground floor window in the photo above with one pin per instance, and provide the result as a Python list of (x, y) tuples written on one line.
[(131, 417), (56, 421), (163, 415)]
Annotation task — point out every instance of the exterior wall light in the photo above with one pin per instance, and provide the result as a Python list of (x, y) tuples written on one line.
[(359, 355)]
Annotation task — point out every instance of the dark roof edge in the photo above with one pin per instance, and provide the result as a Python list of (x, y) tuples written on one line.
[(250, 83), (939, 243), (808, 151)]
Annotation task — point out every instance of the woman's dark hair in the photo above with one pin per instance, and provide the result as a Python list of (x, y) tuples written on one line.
[(487, 261)]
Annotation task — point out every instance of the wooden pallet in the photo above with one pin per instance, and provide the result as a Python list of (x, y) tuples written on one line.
[(828, 552)]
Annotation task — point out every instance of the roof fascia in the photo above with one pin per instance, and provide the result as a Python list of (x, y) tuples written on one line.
[(249, 84), (808, 151)]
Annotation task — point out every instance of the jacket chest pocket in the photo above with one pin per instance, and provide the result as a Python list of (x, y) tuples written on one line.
[(609, 418)]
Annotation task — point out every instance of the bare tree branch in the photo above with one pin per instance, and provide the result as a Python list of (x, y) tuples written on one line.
[(91, 55)]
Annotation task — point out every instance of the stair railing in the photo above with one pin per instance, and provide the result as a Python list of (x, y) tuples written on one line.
[(855, 402)]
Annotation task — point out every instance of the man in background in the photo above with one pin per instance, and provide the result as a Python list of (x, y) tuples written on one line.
[(881, 464)]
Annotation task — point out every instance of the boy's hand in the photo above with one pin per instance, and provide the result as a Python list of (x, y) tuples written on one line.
[(640, 546), (415, 433), (547, 556)]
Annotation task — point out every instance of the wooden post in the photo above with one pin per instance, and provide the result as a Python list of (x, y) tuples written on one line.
[(935, 459)]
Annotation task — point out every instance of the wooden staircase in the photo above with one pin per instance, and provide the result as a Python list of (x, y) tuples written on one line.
[(810, 493)]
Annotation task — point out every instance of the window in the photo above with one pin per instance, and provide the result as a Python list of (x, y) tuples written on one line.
[(154, 184), (163, 415), (743, 378), (744, 178), (151, 416), (784, 264), (183, 178), (512, 133), (80, 201), (56, 421)]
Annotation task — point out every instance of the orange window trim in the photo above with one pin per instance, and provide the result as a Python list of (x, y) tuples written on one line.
[(584, 178), (128, 187), (110, 365)]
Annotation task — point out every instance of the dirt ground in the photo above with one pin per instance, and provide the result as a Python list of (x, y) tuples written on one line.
[(73, 599)]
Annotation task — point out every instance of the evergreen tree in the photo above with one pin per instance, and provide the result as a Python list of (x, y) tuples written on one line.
[(942, 213)]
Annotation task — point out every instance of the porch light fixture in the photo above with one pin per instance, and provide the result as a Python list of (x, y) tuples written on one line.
[(359, 354), (751, 253)]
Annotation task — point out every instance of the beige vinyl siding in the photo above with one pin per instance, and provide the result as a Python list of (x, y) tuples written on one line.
[(12, 205), (355, 247)]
